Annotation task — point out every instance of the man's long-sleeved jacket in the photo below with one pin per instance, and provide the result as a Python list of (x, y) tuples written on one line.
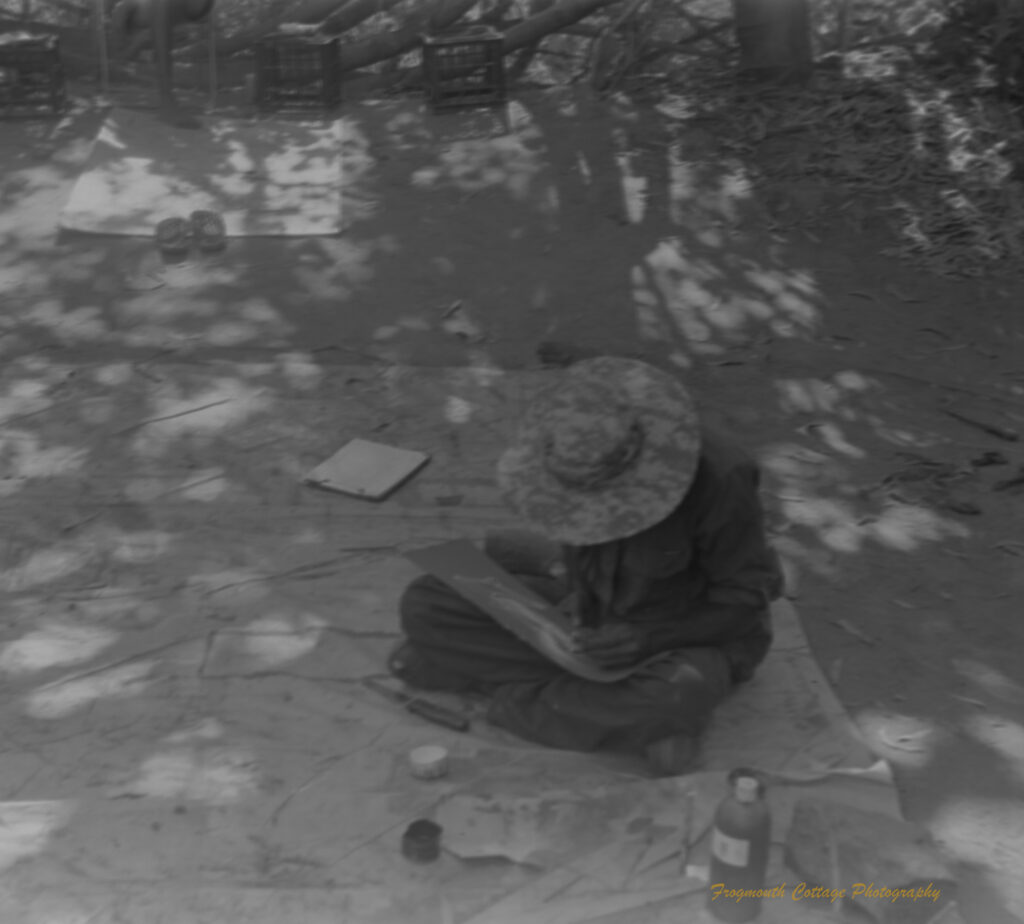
[(702, 576)]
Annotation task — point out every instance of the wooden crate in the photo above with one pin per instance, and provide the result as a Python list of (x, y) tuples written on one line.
[(31, 74), (465, 69), (297, 71)]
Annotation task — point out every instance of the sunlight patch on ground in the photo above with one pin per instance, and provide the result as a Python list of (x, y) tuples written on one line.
[(53, 645), (841, 523), (27, 394), (495, 159), (142, 546), (457, 410), (839, 526), (153, 319), (990, 680), (1003, 736), (905, 527), (831, 434), (716, 191), (835, 524), (300, 370), (472, 167), (634, 190), (274, 640), (224, 403), (35, 189), (194, 765), (208, 729), (677, 296), (85, 324), (26, 828), (214, 775), (826, 396), (22, 457), (45, 566), (340, 266), (59, 700), (986, 832)]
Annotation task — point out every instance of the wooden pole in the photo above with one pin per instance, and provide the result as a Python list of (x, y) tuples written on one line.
[(211, 30), (101, 45)]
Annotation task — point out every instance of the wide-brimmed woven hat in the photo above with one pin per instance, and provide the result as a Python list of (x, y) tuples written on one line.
[(607, 451)]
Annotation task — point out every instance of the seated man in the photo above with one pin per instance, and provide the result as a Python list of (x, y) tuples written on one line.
[(665, 567)]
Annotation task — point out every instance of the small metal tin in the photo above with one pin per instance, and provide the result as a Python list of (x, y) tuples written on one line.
[(429, 762), (421, 842)]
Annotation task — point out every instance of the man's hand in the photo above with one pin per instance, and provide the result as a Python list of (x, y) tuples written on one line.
[(616, 645)]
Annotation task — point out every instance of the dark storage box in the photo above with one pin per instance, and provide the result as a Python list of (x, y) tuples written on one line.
[(297, 71), (31, 74), (466, 69)]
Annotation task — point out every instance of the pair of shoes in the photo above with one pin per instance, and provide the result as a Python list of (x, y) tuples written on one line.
[(175, 235), (672, 756)]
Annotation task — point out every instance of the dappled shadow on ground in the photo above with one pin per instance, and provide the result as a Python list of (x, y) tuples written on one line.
[(751, 266)]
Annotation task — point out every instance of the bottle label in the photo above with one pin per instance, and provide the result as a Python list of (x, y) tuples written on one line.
[(730, 850)]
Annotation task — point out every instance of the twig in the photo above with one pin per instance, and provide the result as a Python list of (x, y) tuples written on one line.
[(833, 861), (561, 890), (1008, 483), (1002, 433), (312, 569), (851, 629), (701, 31), (184, 487), (319, 773), (684, 847), (842, 26), (193, 410), (127, 659), (992, 396)]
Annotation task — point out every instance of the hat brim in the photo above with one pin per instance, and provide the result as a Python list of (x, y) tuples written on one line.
[(647, 492)]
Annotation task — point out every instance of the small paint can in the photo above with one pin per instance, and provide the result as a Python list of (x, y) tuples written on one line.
[(421, 842), (429, 762)]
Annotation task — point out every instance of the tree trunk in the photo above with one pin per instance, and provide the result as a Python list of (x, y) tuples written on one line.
[(774, 38), (563, 13)]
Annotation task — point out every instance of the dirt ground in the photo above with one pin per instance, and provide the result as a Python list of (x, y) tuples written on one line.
[(618, 229)]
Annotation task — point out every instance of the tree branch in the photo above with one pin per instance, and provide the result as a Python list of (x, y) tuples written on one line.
[(562, 14), (353, 13), (703, 31), (430, 16), (528, 52)]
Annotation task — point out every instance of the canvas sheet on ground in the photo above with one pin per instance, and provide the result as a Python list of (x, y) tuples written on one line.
[(265, 177), (188, 734)]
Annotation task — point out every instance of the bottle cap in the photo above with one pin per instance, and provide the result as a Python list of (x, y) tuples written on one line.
[(747, 788)]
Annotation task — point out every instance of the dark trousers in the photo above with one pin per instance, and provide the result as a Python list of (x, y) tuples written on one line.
[(462, 648)]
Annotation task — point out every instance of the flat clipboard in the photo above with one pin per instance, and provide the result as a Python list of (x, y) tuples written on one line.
[(365, 469), (481, 580)]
